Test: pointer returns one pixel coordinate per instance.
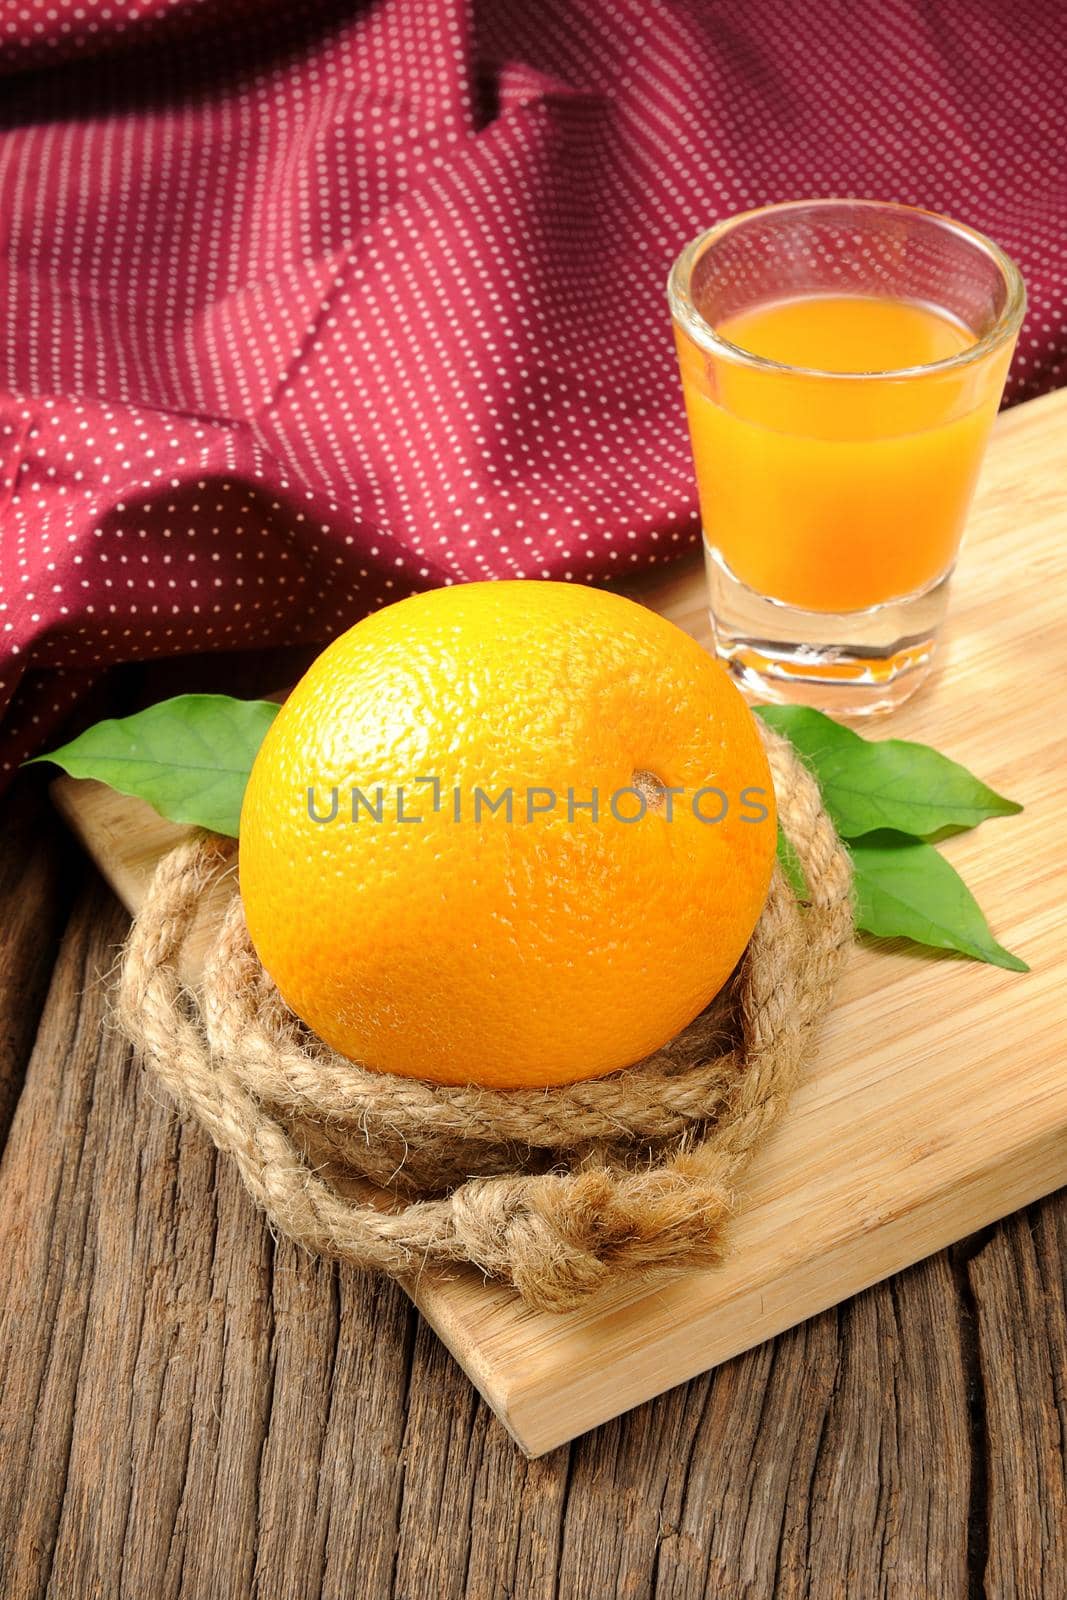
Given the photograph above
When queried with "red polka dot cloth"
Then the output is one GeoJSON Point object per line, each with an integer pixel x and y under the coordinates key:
{"type": "Point", "coordinates": [309, 305]}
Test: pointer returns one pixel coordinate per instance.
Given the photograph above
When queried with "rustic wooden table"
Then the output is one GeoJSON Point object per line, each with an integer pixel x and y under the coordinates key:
{"type": "Point", "coordinates": [191, 1408]}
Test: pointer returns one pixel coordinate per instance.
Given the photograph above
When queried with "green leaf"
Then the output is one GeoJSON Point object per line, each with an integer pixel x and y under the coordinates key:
{"type": "Point", "coordinates": [886, 783]}
{"type": "Point", "coordinates": [188, 757]}
{"type": "Point", "coordinates": [905, 889]}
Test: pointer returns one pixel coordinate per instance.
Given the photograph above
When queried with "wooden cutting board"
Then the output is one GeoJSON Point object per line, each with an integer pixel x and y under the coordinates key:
{"type": "Point", "coordinates": [939, 1098]}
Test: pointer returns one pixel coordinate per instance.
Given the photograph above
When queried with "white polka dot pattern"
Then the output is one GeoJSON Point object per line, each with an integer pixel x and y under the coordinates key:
{"type": "Point", "coordinates": [310, 305]}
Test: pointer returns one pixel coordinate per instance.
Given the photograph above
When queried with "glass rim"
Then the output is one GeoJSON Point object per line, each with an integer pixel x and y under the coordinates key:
{"type": "Point", "coordinates": [704, 334]}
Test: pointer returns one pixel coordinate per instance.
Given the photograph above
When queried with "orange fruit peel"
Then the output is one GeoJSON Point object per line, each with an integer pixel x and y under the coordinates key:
{"type": "Point", "coordinates": [422, 932]}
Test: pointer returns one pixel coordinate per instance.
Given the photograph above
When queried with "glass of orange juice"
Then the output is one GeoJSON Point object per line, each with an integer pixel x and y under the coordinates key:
{"type": "Point", "coordinates": [842, 362]}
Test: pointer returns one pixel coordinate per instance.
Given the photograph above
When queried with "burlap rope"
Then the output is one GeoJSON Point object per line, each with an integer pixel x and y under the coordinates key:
{"type": "Point", "coordinates": [555, 1191]}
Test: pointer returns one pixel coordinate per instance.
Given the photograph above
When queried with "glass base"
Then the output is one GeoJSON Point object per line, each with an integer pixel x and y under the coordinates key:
{"type": "Point", "coordinates": [851, 664]}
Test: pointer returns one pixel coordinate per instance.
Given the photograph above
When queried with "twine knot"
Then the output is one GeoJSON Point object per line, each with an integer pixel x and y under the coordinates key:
{"type": "Point", "coordinates": [557, 1192]}
{"type": "Point", "coordinates": [559, 1237]}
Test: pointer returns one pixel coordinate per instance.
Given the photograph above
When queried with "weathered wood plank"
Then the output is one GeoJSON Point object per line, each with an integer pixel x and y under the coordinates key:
{"type": "Point", "coordinates": [37, 871]}
{"type": "Point", "coordinates": [46, 1185]}
{"type": "Point", "coordinates": [191, 1411]}
{"type": "Point", "coordinates": [167, 1373]}
{"type": "Point", "coordinates": [890, 1492]}
{"type": "Point", "coordinates": [1020, 1288]}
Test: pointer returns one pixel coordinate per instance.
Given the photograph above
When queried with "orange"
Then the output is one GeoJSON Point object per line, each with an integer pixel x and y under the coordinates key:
{"type": "Point", "coordinates": [456, 943]}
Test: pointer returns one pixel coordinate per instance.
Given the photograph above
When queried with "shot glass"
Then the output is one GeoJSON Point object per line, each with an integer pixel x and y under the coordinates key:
{"type": "Point", "coordinates": [842, 362]}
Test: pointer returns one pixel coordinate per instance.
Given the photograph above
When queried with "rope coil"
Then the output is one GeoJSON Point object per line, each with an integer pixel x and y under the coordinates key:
{"type": "Point", "coordinates": [555, 1191]}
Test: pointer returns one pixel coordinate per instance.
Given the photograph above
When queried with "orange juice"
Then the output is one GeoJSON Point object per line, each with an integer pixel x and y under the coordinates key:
{"type": "Point", "coordinates": [826, 492]}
